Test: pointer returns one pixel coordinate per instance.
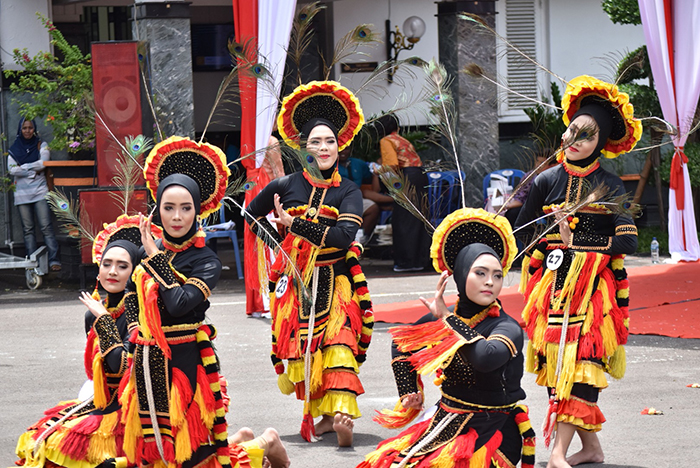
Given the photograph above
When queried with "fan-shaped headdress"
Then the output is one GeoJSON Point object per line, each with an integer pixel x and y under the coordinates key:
{"type": "Point", "coordinates": [626, 130]}
{"type": "Point", "coordinates": [126, 228]}
{"type": "Point", "coordinates": [468, 226]}
{"type": "Point", "coordinates": [320, 99]}
{"type": "Point", "coordinates": [204, 163]}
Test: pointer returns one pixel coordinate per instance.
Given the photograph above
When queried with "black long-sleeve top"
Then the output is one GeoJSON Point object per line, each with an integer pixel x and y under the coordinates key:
{"type": "Point", "coordinates": [295, 191]}
{"type": "Point", "coordinates": [188, 302]}
{"type": "Point", "coordinates": [596, 231]}
{"type": "Point", "coordinates": [113, 335]}
{"type": "Point", "coordinates": [487, 370]}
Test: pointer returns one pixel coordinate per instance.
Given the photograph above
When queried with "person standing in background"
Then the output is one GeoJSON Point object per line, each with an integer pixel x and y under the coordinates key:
{"type": "Point", "coordinates": [411, 240]}
{"type": "Point", "coordinates": [26, 164]}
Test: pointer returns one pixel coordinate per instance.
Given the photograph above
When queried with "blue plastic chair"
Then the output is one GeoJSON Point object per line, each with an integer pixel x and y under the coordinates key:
{"type": "Point", "coordinates": [443, 194]}
{"type": "Point", "coordinates": [514, 176]}
{"type": "Point", "coordinates": [225, 229]}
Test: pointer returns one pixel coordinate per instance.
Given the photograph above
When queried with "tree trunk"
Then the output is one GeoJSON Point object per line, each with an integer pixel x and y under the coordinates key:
{"type": "Point", "coordinates": [643, 177]}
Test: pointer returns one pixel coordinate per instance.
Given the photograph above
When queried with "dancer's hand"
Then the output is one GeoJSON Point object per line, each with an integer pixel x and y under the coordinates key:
{"type": "Point", "coordinates": [413, 401]}
{"type": "Point", "coordinates": [149, 244]}
{"type": "Point", "coordinates": [564, 229]}
{"type": "Point", "coordinates": [283, 218]}
{"type": "Point", "coordinates": [96, 307]}
{"type": "Point", "coordinates": [437, 306]}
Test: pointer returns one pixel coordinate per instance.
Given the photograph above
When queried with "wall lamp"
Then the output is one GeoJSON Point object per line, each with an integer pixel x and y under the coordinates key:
{"type": "Point", "coordinates": [413, 29]}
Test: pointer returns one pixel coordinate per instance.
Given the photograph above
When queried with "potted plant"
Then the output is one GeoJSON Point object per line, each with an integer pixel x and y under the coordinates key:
{"type": "Point", "coordinates": [60, 90]}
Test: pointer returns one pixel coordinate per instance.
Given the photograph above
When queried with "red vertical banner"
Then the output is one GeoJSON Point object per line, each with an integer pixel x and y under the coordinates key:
{"type": "Point", "coordinates": [245, 20]}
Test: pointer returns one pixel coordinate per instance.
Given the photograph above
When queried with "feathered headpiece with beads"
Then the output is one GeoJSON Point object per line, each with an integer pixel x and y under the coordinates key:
{"type": "Point", "coordinates": [320, 99]}
{"type": "Point", "coordinates": [468, 226]}
{"type": "Point", "coordinates": [626, 130]}
{"type": "Point", "coordinates": [125, 227]}
{"type": "Point", "coordinates": [204, 163]}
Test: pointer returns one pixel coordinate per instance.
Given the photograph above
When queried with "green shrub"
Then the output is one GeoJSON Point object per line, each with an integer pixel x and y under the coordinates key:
{"type": "Point", "coordinates": [646, 234]}
{"type": "Point", "coordinates": [60, 91]}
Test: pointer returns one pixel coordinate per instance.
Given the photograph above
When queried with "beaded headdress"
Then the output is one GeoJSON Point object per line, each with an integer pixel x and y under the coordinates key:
{"type": "Point", "coordinates": [468, 226]}
{"type": "Point", "coordinates": [320, 99]}
{"type": "Point", "coordinates": [204, 163]}
{"type": "Point", "coordinates": [126, 228]}
{"type": "Point", "coordinates": [626, 130]}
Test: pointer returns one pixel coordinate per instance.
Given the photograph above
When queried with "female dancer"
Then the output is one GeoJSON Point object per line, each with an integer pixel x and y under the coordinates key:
{"type": "Point", "coordinates": [80, 434]}
{"type": "Point", "coordinates": [174, 413]}
{"type": "Point", "coordinates": [322, 322]}
{"type": "Point", "coordinates": [578, 282]}
{"type": "Point", "coordinates": [476, 353]}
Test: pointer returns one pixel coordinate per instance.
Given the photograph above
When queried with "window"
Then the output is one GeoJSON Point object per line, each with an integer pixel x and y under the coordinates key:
{"type": "Point", "coordinates": [522, 22]}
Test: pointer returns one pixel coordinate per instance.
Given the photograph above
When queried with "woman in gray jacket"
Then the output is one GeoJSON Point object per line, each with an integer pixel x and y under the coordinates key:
{"type": "Point", "coordinates": [26, 163]}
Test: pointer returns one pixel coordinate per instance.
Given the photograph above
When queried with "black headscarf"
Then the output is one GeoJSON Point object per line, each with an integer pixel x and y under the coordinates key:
{"type": "Point", "coordinates": [193, 188]}
{"type": "Point", "coordinates": [306, 130]}
{"type": "Point", "coordinates": [25, 151]}
{"type": "Point", "coordinates": [463, 264]}
{"type": "Point", "coordinates": [604, 121]}
{"type": "Point", "coordinates": [315, 122]}
{"type": "Point", "coordinates": [131, 248]}
{"type": "Point", "coordinates": [133, 251]}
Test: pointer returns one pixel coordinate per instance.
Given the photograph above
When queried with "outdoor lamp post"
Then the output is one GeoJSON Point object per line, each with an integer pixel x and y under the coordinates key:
{"type": "Point", "coordinates": [413, 30]}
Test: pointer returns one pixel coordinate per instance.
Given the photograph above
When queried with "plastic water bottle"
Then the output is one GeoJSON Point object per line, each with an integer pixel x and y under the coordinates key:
{"type": "Point", "coordinates": [654, 251]}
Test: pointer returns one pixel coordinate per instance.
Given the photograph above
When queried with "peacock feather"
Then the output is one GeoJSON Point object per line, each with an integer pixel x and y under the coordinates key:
{"type": "Point", "coordinates": [129, 169]}
{"type": "Point", "coordinates": [405, 194]}
{"type": "Point", "coordinates": [589, 195]}
{"type": "Point", "coordinates": [441, 108]}
{"type": "Point", "coordinates": [227, 92]}
{"type": "Point", "coordinates": [242, 52]}
{"type": "Point", "coordinates": [303, 158]}
{"type": "Point", "coordinates": [238, 187]}
{"type": "Point", "coordinates": [475, 71]}
{"type": "Point", "coordinates": [348, 45]}
{"type": "Point", "coordinates": [145, 68]}
{"type": "Point", "coordinates": [302, 34]}
{"type": "Point", "coordinates": [72, 219]}
{"type": "Point", "coordinates": [477, 20]}
{"type": "Point", "coordinates": [378, 75]}
{"type": "Point", "coordinates": [583, 133]}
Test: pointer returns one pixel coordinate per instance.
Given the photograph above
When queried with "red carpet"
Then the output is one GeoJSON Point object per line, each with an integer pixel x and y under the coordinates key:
{"type": "Point", "coordinates": [664, 300]}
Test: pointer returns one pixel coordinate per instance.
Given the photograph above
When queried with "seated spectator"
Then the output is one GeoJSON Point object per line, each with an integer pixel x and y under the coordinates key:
{"type": "Point", "coordinates": [373, 201]}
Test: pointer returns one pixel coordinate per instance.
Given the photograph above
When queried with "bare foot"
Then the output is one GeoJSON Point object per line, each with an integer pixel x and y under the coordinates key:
{"type": "Point", "coordinates": [343, 425]}
{"type": "Point", "coordinates": [586, 456]}
{"type": "Point", "coordinates": [275, 452]}
{"type": "Point", "coordinates": [324, 425]}
{"type": "Point", "coordinates": [557, 462]}
{"type": "Point", "coordinates": [244, 434]}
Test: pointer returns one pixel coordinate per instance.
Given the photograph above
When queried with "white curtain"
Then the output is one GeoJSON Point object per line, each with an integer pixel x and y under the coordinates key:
{"type": "Point", "coordinates": [275, 19]}
{"type": "Point", "coordinates": [672, 31]}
